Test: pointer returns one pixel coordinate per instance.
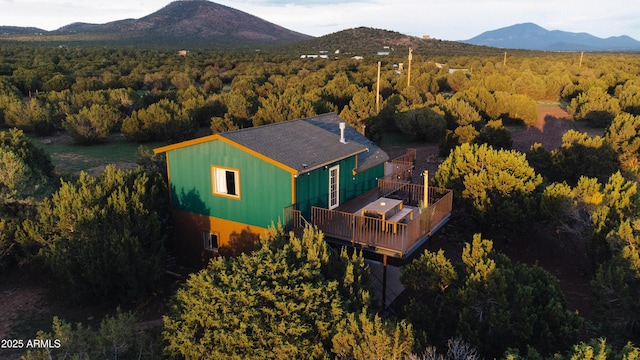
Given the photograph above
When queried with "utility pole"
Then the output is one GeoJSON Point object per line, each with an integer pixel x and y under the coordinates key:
{"type": "Point", "coordinates": [378, 91]}
{"type": "Point", "coordinates": [409, 70]}
{"type": "Point", "coordinates": [581, 55]}
{"type": "Point", "coordinates": [504, 62]}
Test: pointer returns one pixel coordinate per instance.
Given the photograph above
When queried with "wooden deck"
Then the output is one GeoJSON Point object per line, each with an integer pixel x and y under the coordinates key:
{"type": "Point", "coordinates": [384, 236]}
{"type": "Point", "coordinates": [358, 203]}
{"type": "Point", "coordinates": [401, 231]}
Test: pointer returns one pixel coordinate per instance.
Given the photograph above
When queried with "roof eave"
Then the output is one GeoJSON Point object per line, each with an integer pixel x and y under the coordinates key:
{"type": "Point", "coordinates": [205, 139]}
{"type": "Point", "coordinates": [326, 163]}
{"type": "Point", "coordinates": [363, 169]}
{"type": "Point", "coordinates": [186, 143]}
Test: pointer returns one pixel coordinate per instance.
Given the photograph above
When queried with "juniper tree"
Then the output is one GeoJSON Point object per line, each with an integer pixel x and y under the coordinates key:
{"type": "Point", "coordinates": [495, 135]}
{"type": "Point", "coordinates": [423, 124]}
{"type": "Point", "coordinates": [589, 211]}
{"type": "Point", "coordinates": [163, 120]}
{"type": "Point", "coordinates": [602, 220]}
{"type": "Point", "coordinates": [102, 237]}
{"type": "Point", "coordinates": [92, 124]}
{"type": "Point", "coordinates": [624, 137]}
{"type": "Point", "coordinates": [33, 116]}
{"type": "Point", "coordinates": [583, 155]}
{"type": "Point", "coordinates": [26, 174]}
{"type": "Point", "coordinates": [117, 337]}
{"type": "Point", "coordinates": [595, 106]}
{"type": "Point", "coordinates": [495, 185]}
{"type": "Point", "coordinates": [292, 298]}
{"type": "Point", "coordinates": [365, 337]}
{"type": "Point", "coordinates": [457, 111]}
{"type": "Point", "coordinates": [487, 301]}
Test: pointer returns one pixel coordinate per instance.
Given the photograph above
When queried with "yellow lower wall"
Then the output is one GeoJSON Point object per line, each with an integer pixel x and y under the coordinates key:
{"type": "Point", "coordinates": [233, 237]}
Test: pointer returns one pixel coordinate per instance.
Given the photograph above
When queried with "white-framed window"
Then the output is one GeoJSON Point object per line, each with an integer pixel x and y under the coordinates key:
{"type": "Point", "coordinates": [226, 182]}
{"type": "Point", "coordinates": [210, 241]}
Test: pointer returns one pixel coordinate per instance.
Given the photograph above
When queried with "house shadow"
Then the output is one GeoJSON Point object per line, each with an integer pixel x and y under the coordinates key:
{"type": "Point", "coordinates": [548, 133]}
{"type": "Point", "coordinates": [190, 225]}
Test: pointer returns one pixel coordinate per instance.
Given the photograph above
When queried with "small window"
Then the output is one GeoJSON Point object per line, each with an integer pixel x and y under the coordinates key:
{"type": "Point", "coordinates": [226, 182]}
{"type": "Point", "coordinates": [210, 241]}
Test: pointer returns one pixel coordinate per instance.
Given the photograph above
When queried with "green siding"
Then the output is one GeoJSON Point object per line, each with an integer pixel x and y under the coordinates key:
{"type": "Point", "coordinates": [368, 179]}
{"type": "Point", "coordinates": [312, 188]}
{"type": "Point", "coordinates": [265, 189]}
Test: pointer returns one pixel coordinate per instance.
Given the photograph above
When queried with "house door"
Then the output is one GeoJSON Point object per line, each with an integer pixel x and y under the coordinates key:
{"type": "Point", "coordinates": [334, 187]}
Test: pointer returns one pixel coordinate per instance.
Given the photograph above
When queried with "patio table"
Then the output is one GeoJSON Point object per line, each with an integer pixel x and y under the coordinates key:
{"type": "Point", "coordinates": [384, 207]}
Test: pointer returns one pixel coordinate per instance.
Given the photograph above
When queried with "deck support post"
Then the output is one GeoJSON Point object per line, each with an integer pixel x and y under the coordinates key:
{"type": "Point", "coordinates": [384, 281]}
{"type": "Point", "coordinates": [426, 189]}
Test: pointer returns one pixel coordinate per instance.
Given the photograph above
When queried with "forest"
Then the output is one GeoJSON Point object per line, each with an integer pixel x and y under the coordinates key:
{"type": "Point", "coordinates": [104, 240]}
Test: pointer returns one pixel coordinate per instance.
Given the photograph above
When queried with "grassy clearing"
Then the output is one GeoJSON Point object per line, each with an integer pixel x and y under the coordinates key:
{"type": "Point", "coordinates": [548, 104]}
{"type": "Point", "coordinates": [514, 128]}
{"type": "Point", "coordinates": [70, 158]}
{"type": "Point", "coordinates": [583, 127]}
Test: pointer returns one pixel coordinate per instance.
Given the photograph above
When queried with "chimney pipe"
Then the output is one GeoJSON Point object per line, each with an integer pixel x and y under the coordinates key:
{"type": "Point", "coordinates": [342, 139]}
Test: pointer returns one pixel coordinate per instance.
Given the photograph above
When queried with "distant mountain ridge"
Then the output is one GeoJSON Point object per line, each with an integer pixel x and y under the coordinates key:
{"type": "Point", "coordinates": [184, 22]}
{"type": "Point", "coordinates": [529, 36]}
{"type": "Point", "coordinates": [17, 30]}
{"type": "Point", "coordinates": [369, 41]}
{"type": "Point", "coordinates": [205, 24]}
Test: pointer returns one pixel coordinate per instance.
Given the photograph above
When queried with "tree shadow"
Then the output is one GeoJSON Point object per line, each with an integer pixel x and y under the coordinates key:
{"type": "Point", "coordinates": [240, 243]}
{"type": "Point", "coordinates": [189, 201]}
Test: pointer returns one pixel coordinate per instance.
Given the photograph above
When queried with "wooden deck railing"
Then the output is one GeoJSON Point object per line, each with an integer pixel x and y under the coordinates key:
{"type": "Point", "coordinates": [439, 209]}
{"type": "Point", "coordinates": [411, 194]}
{"type": "Point", "coordinates": [397, 238]}
{"type": "Point", "coordinates": [409, 156]}
{"type": "Point", "coordinates": [292, 219]}
{"type": "Point", "coordinates": [385, 236]}
{"type": "Point", "coordinates": [360, 230]}
{"type": "Point", "coordinates": [402, 166]}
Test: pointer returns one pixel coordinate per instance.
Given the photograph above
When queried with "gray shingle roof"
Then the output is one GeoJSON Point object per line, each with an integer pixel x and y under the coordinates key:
{"type": "Point", "coordinates": [309, 143]}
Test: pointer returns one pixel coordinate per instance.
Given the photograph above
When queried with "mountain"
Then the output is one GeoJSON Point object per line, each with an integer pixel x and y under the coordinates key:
{"type": "Point", "coordinates": [184, 23]}
{"type": "Point", "coordinates": [530, 36]}
{"type": "Point", "coordinates": [367, 41]}
{"type": "Point", "coordinates": [17, 30]}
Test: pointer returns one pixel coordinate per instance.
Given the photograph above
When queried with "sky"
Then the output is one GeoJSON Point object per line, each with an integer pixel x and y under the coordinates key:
{"type": "Point", "coordinates": [442, 19]}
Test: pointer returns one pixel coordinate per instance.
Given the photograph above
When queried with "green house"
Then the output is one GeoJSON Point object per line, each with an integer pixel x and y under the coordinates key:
{"type": "Point", "coordinates": [227, 188]}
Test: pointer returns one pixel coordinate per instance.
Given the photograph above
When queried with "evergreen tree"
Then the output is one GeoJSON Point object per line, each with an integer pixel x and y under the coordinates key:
{"type": "Point", "coordinates": [26, 174]}
{"type": "Point", "coordinates": [422, 125]}
{"type": "Point", "coordinates": [115, 338]}
{"type": "Point", "coordinates": [224, 124]}
{"type": "Point", "coordinates": [495, 135]}
{"type": "Point", "coordinates": [595, 106]}
{"type": "Point", "coordinates": [598, 349]}
{"type": "Point", "coordinates": [164, 120]}
{"type": "Point", "coordinates": [583, 155]}
{"type": "Point", "coordinates": [361, 337]}
{"type": "Point", "coordinates": [284, 301]}
{"type": "Point", "coordinates": [488, 302]}
{"type": "Point", "coordinates": [629, 96]}
{"type": "Point", "coordinates": [102, 237]}
{"type": "Point", "coordinates": [624, 136]}
{"type": "Point", "coordinates": [33, 116]}
{"type": "Point", "coordinates": [496, 185]}
{"type": "Point", "coordinates": [288, 106]}
{"type": "Point", "coordinates": [92, 124]}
